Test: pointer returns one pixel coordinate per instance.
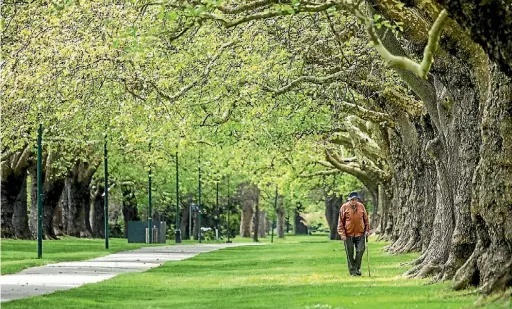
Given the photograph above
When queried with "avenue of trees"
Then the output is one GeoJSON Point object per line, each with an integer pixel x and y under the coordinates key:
{"type": "Point", "coordinates": [411, 98]}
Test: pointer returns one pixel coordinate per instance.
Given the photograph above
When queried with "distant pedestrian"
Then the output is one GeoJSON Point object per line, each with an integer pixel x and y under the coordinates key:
{"type": "Point", "coordinates": [354, 227]}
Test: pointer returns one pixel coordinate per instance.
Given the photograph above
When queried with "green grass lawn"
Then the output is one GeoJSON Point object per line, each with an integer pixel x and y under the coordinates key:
{"type": "Point", "coordinates": [300, 272]}
{"type": "Point", "coordinates": [20, 254]}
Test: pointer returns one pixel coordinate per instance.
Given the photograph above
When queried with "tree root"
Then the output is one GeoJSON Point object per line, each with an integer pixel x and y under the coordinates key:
{"type": "Point", "coordinates": [429, 270]}
{"type": "Point", "coordinates": [420, 260]}
{"type": "Point", "coordinates": [465, 275]}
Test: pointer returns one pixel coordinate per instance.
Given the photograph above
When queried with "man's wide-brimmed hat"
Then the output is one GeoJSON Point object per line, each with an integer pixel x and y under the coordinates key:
{"type": "Point", "coordinates": [353, 195]}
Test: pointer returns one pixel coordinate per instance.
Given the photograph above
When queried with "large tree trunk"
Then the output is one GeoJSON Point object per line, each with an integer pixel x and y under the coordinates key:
{"type": "Point", "coordinates": [332, 211]}
{"type": "Point", "coordinates": [20, 216]}
{"type": "Point", "coordinates": [64, 208]}
{"type": "Point", "coordinates": [79, 199]}
{"type": "Point", "coordinates": [281, 212]}
{"type": "Point", "coordinates": [97, 213]}
{"type": "Point", "coordinates": [14, 196]}
{"type": "Point", "coordinates": [58, 224]}
{"type": "Point", "coordinates": [130, 211]}
{"type": "Point", "coordinates": [52, 190]}
{"type": "Point", "coordinates": [262, 227]}
{"type": "Point", "coordinates": [490, 263]}
{"type": "Point", "coordinates": [385, 224]}
{"type": "Point", "coordinates": [248, 197]}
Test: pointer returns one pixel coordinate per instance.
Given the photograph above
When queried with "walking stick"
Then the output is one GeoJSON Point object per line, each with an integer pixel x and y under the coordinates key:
{"type": "Point", "coordinates": [368, 255]}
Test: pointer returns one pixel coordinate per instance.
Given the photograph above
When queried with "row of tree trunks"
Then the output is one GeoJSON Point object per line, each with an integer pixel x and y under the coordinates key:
{"type": "Point", "coordinates": [467, 133]}
{"type": "Point", "coordinates": [70, 205]}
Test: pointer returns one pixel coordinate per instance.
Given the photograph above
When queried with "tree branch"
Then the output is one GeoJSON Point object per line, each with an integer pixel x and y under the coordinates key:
{"type": "Point", "coordinates": [306, 78]}
{"type": "Point", "coordinates": [185, 89]}
{"type": "Point", "coordinates": [420, 69]}
{"type": "Point", "coordinates": [321, 173]}
{"type": "Point", "coordinates": [311, 8]}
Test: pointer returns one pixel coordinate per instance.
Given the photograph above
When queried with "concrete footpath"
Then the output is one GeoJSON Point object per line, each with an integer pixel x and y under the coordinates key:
{"type": "Point", "coordinates": [67, 275]}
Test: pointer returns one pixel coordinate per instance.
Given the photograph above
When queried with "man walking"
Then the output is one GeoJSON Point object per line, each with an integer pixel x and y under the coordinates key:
{"type": "Point", "coordinates": [354, 227]}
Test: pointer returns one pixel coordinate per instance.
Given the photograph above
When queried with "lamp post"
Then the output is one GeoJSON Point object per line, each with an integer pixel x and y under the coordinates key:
{"type": "Point", "coordinates": [229, 211]}
{"type": "Point", "coordinates": [190, 222]}
{"type": "Point", "coordinates": [150, 219]}
{"type": "Point", "coordinates": [217, 213]}
{"type": "Point", "coordinates": [105, 161]}
{"type": "Point", "coordinates": [177, 233]}
{"type": "Point", "coordinates": [199, 193]}
{"type": "Point", "coordinates": [39, 192]}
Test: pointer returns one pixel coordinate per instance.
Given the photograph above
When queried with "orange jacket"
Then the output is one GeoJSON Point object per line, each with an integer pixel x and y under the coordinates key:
{"type": "Point", "coordinates": [353, 223]}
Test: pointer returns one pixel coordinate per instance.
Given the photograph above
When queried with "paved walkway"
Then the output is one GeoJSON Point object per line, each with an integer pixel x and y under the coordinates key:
{"type": "Point", "coordinates": [63, 276]}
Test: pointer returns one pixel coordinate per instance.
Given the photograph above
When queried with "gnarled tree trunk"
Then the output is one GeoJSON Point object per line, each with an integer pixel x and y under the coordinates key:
{"type": "Point", "coordinates": [79, 199]}
{"type": "Point", "coordinates": [490, 263]}
{"type": "Point", "coordinates": [14, 195]}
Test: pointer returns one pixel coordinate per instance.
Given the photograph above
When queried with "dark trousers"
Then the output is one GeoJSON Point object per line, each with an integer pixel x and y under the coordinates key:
{"type": "Point", "coordinates": [357, 242]}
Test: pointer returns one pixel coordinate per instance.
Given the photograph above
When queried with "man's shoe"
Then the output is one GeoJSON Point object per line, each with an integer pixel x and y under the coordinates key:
{"type": "Point", "coordinates": [358, 272]}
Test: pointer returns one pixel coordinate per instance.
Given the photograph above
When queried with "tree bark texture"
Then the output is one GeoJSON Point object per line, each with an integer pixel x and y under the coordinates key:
{"type": "Point", "coordinates": [79, 199]}
{"type": "Point", "coordinates": [262, 227]}
{"type": "Point", "coordinates": [490, 263]}
{"type": "Point", "coordinates": [248, 198]}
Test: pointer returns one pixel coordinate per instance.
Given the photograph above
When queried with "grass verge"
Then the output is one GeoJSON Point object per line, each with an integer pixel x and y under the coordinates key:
{"type": "Point", "coordinates": [17, 255]}
{"type": "Point", "coordinates": [300, 272]}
